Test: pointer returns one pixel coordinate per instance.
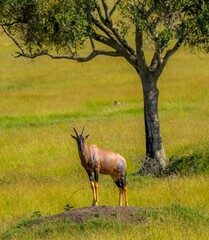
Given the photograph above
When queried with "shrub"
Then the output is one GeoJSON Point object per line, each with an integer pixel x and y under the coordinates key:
{"type": "Point", "coordinates": [197, 161]}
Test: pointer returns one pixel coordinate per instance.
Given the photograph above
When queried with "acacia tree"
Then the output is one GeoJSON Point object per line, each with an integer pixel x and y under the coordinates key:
{"type": "Point", "coordinates": [80, 30]}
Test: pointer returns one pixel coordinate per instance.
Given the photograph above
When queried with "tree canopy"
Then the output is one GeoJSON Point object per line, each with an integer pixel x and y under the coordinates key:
{"type": "Point", "coordinates": [52, 26]}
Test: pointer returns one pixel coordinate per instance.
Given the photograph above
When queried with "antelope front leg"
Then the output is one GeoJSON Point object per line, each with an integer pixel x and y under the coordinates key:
{"type": "Point", "coordinates": [96, 185]}
{"type": "Point", "coordinates": [93, 189]}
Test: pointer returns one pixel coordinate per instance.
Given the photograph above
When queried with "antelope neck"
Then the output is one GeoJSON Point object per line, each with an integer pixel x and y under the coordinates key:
{"type": "Point", "coordinates": [84, 154]}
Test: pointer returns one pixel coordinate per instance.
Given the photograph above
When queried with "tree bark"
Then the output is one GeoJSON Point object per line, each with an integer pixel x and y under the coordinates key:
{"type": "Point", "coordinates": [155, 162]}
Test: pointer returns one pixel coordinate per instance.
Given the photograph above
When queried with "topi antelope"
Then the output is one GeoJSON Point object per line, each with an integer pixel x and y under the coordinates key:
{"type": "Point", "coordinates": [96, 160]}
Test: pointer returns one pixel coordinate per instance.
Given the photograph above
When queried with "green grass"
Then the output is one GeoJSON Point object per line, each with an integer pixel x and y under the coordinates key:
{"type": "Point", "coordinates": [153, 223]}
{"type": "Point", "coordinates": [42, 100]}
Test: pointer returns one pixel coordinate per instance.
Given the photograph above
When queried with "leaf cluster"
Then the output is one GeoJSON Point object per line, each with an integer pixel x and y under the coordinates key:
{"type": "Point", "coordinates": [165, 21]}
{"type": "Point", "coordinates": [47, 23]}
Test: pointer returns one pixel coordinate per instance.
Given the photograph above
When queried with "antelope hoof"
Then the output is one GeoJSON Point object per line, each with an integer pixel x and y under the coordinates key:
{"type": "Point", "coordinates": [94, 205]}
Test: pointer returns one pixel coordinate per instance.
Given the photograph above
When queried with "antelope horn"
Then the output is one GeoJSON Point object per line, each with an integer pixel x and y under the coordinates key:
{"type": "Point", "coordinates": [83, 130]}
{"type": "Point", "coordinates": [75, 132]}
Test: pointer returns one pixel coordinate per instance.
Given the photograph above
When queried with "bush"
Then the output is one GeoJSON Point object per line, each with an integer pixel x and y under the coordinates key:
{"type": "Point", "coordinates": [197, 161]}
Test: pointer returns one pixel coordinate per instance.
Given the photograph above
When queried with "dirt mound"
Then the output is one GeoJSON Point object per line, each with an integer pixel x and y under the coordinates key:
{"type": "Point", "coordinates": [80, 215]}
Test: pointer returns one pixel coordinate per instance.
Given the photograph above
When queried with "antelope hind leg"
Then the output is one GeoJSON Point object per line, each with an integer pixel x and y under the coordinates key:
{"type": "Point", "coordinates": [116, 179]}
{"type": "Point", "coordinates": [125, 188]}
{"type": "Point", "coordinates": [120, 203]}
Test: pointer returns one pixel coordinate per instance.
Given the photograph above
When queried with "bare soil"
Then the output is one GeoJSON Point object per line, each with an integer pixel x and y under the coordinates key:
{"type": "Point", "coordinates": [80, 215]}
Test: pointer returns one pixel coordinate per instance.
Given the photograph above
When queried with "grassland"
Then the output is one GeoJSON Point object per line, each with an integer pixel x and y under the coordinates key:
{"type": "Point", "coordinates": [42, 100]}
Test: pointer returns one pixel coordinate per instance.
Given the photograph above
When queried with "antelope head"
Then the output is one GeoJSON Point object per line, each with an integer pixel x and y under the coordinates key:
{"type": "Point", "coordinates": [80, 139]}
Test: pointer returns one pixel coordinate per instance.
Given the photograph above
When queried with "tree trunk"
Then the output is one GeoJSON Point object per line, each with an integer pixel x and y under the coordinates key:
{"type": "Point", "coordinates": [155, 161]}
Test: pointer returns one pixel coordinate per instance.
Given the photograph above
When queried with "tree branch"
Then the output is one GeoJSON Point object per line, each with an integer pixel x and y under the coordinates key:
{"type": "Point", "coordinates": [12, 38]}
{"type": "Point", "coordinates": [105, 6]}
{"type": "Point", "coordinates": [109, 24]}
{"type": "Point", "coordinates": [150, 11]}
{"type": "Point", "coordinates": [169, 53]}
{"type": "Point", "coordinates": [9, 24]}
{"type": "Point", "coordinates": [114, 8]}
{"type": "Point", "coordinates": [113, 39]}
{"type": "Point", "coordinates": [121, 39]}
{"type": "Point", "coordinates": [178, 44]}
{"type": "Point", "coordinates": [92, 43]}
{"type": "Point", "coordinates": [141, 62]}
{"type": "Point", "coordinates": [99, 11]}
{"type": "Point", "coordinates": [113, 44]}
{"type": "Point", "coordinates": [156, 60]}
{"type": "Point", "coordinates": [103, 28]}
{"type": "Point", "coordinates": [107, 42]}
{"type": "Point", "coordinates": [92, 55]}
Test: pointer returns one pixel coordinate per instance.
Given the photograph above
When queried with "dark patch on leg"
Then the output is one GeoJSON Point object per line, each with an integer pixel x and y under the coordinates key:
{"type": "Point", "coordinates": [119, 183]}
{"type": "Point", "coordinates": [123, 181]}
{"type": "Point", "coordinates": [96, 175]}
{"type": "Point", "coordinates": [90, 177]}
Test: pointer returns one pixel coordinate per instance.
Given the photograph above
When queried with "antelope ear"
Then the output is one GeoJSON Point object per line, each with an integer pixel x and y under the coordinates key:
{"type": "Point", "coordinates": [87, 136]}
{"type": "Point", "coordinates": [73, 136]}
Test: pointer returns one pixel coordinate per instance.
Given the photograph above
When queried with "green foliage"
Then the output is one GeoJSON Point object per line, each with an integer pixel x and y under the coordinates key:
{"type": "Point", "coordinates": [198, 23]}
{"type": "Point", "coordinates": [164, 21]}
{"type": "Point", "coordinates": [196, 161]}
{"type": "Point", "coordinates": [47, 24]}
{"type": "Point", "coordinates": [164, 37]}
{"type": "Point", "coordinates": [65, 25]}
{"type": "Point", "coordinates": [68, 207]}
